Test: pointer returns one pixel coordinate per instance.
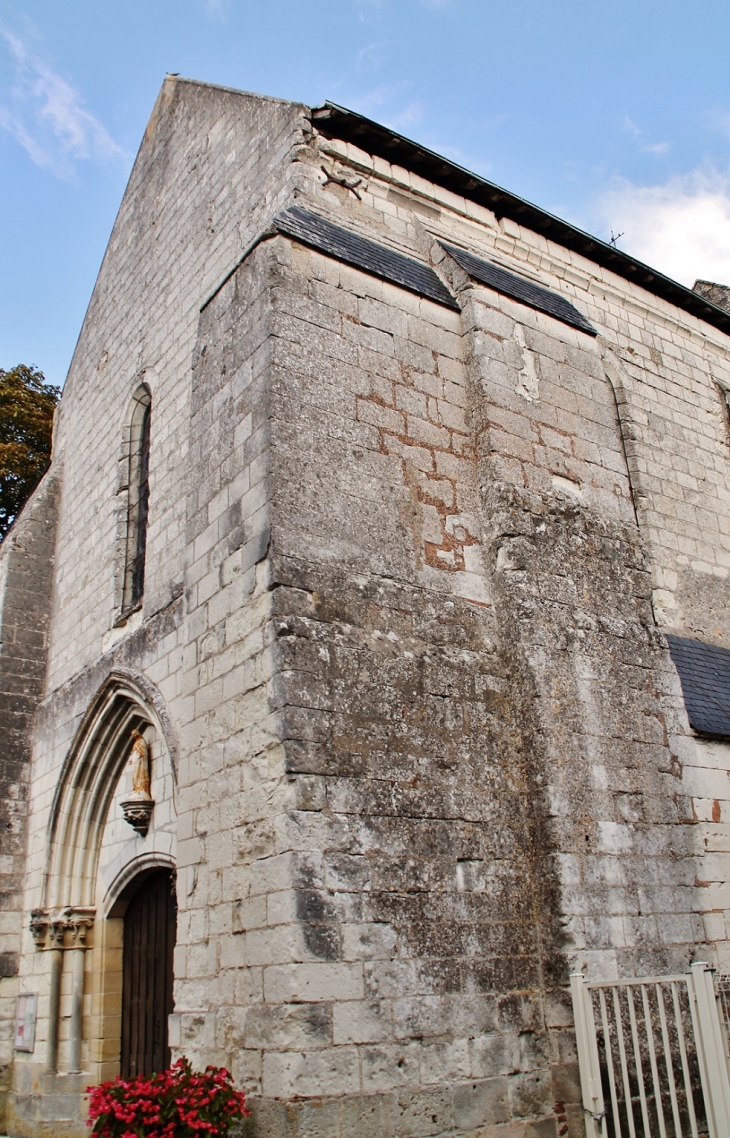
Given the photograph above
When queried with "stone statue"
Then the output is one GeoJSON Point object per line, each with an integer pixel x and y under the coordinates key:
{"type": "Point", "coordinates": [139, 764]}
{"type": "Point", "coordinates": [138, 806]}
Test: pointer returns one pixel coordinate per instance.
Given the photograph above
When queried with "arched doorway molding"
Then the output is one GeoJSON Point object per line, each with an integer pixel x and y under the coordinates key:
{"type": "Point", "coordinates": [65, 926]}
{"type": "Point", "coordinates": [131, 877]}
{"type": "Point", "coordinates": [127, 700]}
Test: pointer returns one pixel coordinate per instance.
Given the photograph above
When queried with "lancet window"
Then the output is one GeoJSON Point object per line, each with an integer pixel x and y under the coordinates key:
{"type": "Point", "coordinates": [138, 499]}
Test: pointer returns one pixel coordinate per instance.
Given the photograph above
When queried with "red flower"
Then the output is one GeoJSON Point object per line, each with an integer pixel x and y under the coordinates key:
{"type": "Point", "coordinates": [177, 1103]}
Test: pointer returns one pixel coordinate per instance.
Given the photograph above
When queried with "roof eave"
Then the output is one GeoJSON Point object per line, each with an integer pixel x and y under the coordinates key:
{"type": "Point", "coordinates": [334, 121]}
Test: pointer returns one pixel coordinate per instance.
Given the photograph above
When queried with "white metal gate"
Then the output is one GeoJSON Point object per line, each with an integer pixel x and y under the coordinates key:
{"type": "Point", "coordinates": [652, 1057]}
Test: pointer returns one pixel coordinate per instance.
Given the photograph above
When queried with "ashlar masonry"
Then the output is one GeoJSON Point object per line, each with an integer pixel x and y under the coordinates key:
{"type": "Point", "coordinates": [384, 509]}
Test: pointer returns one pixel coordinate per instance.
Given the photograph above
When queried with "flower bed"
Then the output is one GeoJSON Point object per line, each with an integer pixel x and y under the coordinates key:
{"type": "Point", "coordinates": [177, 1103]}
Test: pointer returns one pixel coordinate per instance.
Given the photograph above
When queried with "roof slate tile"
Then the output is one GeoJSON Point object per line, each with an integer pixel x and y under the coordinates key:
{"type": "Point", "coordinates": [519, 288]}
{"type": "Point", "coordinates": [704, 670]}
{"type": "Point", "coordinates": [371, 257]}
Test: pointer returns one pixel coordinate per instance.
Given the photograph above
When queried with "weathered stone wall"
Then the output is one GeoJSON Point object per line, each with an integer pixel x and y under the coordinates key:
{"type": "Point", "coordinates": [473, 709]}
{"type": "Point", "coordinates": [26, 586]}
{"type": "Point", "coordinates": [201, 189]}
{"type": "Point", "coordinates": [404, 572]}
{"type": "Point", "coordinates": [669, 376]}
{"type": "Point", "coordinates": [420, 876]}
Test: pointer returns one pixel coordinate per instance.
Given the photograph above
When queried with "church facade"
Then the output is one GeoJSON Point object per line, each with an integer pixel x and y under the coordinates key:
{"type": "Point", "coordinates": [365, 650]}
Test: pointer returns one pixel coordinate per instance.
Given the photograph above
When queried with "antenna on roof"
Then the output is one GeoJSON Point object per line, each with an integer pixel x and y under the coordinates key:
{"type": "Point", "coordinates": [614, 238]}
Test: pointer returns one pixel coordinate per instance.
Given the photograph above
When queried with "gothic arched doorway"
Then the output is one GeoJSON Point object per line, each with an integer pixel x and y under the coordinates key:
{"type": "Point", "coordinates": [147, 975]}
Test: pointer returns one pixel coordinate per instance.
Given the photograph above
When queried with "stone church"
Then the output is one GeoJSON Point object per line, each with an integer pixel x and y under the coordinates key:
{"type": "Point", "coordinates": [365, 650]}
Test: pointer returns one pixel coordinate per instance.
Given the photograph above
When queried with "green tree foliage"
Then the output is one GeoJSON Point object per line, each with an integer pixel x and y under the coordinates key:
{"type": "Point", "coordinates": [27, 404]}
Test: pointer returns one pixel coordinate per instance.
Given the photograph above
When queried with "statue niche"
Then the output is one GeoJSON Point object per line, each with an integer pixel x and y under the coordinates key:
{"type": "Point", "coordinates": [138, 806]}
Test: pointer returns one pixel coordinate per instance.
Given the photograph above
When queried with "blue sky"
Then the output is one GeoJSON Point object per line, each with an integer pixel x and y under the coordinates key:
{"type": "Point", "coordinates": [615, 115]}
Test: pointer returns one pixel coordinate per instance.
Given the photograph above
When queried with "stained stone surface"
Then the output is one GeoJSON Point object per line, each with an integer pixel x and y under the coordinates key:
{"type": "Point", "coordinates": [421, 749]}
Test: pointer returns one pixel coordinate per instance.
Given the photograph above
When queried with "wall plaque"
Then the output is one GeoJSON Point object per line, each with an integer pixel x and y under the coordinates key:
{"type": "Point", "coordinates": [25, 1022]}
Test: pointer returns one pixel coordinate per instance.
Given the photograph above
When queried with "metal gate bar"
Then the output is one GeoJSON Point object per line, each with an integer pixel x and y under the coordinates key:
{"type": "Point", "coordinates": [683, 1055]}
{"type": "Point", "coordinates": [653, 1062]}
{"type": "Point", "coordinates": [609, 1063]}
{"type": "Point", "coordinates": [660, 1060]}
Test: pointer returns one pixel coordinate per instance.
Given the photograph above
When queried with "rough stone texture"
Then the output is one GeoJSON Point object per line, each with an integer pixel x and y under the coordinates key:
{"type": "Point", "coordinates": [718, 294]}
{"type": "Point", "coordinates": [201, 189]}
{"type": "Point", "coordinates": [421, 748]}
{"type": "Point", "coordinates": [26, 583]}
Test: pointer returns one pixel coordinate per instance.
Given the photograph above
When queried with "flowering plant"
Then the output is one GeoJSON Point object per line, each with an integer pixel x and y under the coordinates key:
{"type": "Point", "coordinates": [177, 1103]}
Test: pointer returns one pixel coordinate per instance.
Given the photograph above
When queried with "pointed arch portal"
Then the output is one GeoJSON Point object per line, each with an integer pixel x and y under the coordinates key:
{"type": "Point", "coordinates": [135, 940]}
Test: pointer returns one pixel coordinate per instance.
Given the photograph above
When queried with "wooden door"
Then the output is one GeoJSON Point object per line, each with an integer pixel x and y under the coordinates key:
{"type": "Point", "coordinates": [149, 940]}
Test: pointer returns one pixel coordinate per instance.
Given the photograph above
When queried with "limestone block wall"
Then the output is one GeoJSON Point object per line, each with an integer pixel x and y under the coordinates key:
{"type": "Point", "coordinates": [201, 190]}
{"type": "Point", "coordinates": [399, 932]}
{"type": "Point", "coordinates": [473, 726]}
{"type": "Point", "coordinates": [668, 373]}
{"type": "Point", "coordinates": [304, 960]}
{"type": "Point", "coordinates": [604, 773]}
{"type": "Point", "coordinates": [26, 576]}
{"type": "Point", "coordinates": [407, 573]}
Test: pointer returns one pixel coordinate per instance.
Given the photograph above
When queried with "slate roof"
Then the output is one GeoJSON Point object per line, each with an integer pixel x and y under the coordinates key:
{"type": "Point", "coordinates": [334, 121]}
{"type": "Point", "coordinates": [704, 671]}
{"type": "Point", "coordinates": [378, 260]}
{"type": "Point", "coordinates": [519, 288]}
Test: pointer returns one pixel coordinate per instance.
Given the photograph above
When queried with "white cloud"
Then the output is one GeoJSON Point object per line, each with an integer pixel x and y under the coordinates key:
{"type": "Point", "coordinates": [370, 57]}
{"type": "Point", "coordinates": [217, 10]}
{"type": "Point", "coordinates": [681, 228]}
{"type": "Point", "coordinates": [45, 114]}
{"type": "Point", "coordinates": [636, 132]}
{"type": "Point", "coordinates": [379, 101]}
{"type": "Point", "coordinates": [409, 116]}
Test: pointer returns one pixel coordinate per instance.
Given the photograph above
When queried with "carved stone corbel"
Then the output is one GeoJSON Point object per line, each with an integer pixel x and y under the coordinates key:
{"type": "Point", "coordinates": [39, 924]}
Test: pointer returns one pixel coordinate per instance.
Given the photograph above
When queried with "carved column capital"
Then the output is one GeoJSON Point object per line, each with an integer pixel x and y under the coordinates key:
{"type": "Point", "coordinates": [79, 925]}
{"type": "Point", "coordinates": [62, 928]}
{"type": "Point", "coordinates": [54, 935]}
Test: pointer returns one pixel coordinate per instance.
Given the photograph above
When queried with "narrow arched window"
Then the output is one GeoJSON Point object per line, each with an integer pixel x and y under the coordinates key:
{"type": "Point", "coordinates": [138, 500]}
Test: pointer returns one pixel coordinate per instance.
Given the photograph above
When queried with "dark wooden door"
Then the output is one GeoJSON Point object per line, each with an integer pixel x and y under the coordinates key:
{"type": "Point", "coordinates": [149, 940]}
